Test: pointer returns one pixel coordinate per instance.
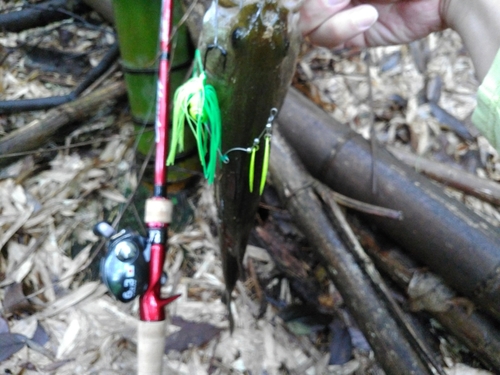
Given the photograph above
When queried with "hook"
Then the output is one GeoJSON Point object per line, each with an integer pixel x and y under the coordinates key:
{"type": "Point", "coordinates": [211, 47]}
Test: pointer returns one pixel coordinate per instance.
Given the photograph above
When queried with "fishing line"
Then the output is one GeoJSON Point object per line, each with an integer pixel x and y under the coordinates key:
{"type": "Point", "coordinates": [266, 134]}
{"type": "Point", "coordinates": [196, 105]}
{"type": "Point", "coordinates": [215, 44]}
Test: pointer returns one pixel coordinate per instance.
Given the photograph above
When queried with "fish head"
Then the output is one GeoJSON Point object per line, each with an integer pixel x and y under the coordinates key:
{"type": "Point", "coordinates": [241, 31]}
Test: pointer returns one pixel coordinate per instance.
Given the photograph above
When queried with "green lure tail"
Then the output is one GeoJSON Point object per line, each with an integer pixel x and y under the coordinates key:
{"type": "Point", "coordinates": [196, 104]}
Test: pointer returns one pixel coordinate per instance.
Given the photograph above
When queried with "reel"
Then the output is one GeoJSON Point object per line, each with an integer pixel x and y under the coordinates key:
{"type": "Point", "coordinates": [125, 268]}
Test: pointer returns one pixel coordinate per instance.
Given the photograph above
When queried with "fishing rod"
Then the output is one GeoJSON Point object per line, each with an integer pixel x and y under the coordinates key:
{"type": "Point", "coordinates": [133, 265]}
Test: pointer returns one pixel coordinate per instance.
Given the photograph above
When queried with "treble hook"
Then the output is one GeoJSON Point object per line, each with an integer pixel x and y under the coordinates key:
{"type": "Point", "coordinates": [211, 47]}
{"type": "Point", "coordinates": [215, 44]}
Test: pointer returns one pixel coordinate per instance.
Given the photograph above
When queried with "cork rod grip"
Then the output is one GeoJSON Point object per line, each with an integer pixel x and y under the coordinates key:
{"type": "Point", "coordinates": [158, 210]}
{"type": "Point", "coordinates": [150, 347]}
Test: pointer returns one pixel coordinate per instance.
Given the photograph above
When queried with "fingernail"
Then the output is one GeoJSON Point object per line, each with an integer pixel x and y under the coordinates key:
{"type": "Point", "coordinates": [334, 3]}
{"type": "Point", "coordinates": [365, 17]}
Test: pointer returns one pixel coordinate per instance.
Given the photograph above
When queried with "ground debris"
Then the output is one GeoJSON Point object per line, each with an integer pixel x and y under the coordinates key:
{"type": "Point", "coordinates": [48, 290]}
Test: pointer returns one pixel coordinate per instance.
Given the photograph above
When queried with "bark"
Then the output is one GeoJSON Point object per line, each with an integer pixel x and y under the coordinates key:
{"type": "Point", "coordinates": [35, 134]}
{"type": "Point", "coordinates": [294, 186]}
{"type": "Point", "coordinates": [437, 230]}
{"type": "Point", "coordinates": [282, 251]}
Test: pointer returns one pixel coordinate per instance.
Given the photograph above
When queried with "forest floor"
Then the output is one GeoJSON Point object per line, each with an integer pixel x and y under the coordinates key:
{"type": "Point", "coordinates": [50, 200]}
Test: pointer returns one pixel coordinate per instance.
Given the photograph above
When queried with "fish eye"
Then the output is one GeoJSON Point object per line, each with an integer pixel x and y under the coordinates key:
{"type": "Point", "coordinates": [237, 36]}
{"type": "Point", "coordinates": [287, 44]}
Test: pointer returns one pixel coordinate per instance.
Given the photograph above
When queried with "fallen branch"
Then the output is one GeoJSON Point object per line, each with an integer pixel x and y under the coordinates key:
{"type": "Point", "coordinates": [469, 183]}
{"type": "Point", "coordinates": [428, 292]}
{"type": "Point", "coordinates": [36, 15]}
{"type": "Point", "coordinates": [282, 249]}
{"type": "Point", "coordinates": [35, 134]}
{"type": "Point", "coordinates": [20, 105]}
{"type": "Point", "coordinates": [294, 186]}
{"type": "Point", "coordinates": [365, 207]}
{"type": "Point", "coordinates": [439, 231]}
{"type": "Point", "coordinates": [103, 7]}
{"type": "Point", "coordinates": [340, 223]}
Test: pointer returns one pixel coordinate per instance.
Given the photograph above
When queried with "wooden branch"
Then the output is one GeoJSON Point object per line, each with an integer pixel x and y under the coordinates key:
{"type": "Point", "coordinates": [439, 231]}
{"type": "Point", "coordinates": [340, 223]}
{"type": "Point", "coordinates": [365, 207]}
{"type": "Point", "coordinates": [37, 15]}
{"type": "Point", "coordinates": [294, 186]}
{"type": "Point", "coordinates": [428, 292]}
{"type": "Point", "coordinates": [469, 183]}
{"type": "Point", "coordinates": [282, 250]}
{"type": "Point", "coordinates": [103, 7]}
{"type": "Point", "coordinates": [35, 134]}
{"type": "Point", "coordinates": [21, 105]}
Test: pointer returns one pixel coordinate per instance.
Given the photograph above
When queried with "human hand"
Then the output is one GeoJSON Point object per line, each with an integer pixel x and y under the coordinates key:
{"type": "Point", "coordinates": [369, 23]}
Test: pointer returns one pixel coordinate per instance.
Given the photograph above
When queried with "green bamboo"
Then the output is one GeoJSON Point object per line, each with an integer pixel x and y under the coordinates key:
{"type": "Point", "coordinates": [137, 25]}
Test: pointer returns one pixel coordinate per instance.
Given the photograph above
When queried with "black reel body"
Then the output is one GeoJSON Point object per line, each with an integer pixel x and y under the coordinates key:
{"type": "Point", "coordinates": [125, 268]}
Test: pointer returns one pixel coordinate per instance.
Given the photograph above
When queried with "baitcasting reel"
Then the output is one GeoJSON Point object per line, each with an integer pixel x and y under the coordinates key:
{"type": "Point", "coordinates": [125, 268]}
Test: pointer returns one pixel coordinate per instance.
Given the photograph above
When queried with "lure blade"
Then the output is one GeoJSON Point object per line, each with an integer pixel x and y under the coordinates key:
{"type": "Point", "coordinates": [265, 163]}
{"type": "Point", "coordinates": [252, 169]}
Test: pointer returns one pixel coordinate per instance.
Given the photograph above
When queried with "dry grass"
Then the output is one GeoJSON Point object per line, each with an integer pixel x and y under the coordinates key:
{"type": "Point", "coordinates": [49, 202]}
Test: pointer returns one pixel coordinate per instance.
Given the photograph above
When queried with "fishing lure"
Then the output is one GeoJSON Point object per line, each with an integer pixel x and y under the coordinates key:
{"type": "Point", "coordinates": [250, 51]}
{"type": "Point", "coordinates": [267, 135]}
{"type": "Point", "coordinates": [196, 104]}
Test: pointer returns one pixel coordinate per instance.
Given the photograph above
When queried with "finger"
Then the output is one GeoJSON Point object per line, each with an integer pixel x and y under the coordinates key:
{"type": "Point", "coordinates": [314, 12]}
{"type": "Point", "coordinates": [347, 25]}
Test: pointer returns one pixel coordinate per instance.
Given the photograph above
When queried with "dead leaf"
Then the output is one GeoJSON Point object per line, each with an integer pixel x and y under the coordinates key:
{"type": "Point", "coordinates": [69, 338]}
{"type": "Point", "coordinates": [4, 326]}
{"type": "Point", "coordinates": [10, 343]}
{"type": "Point", "coordinates": [23, 217]}
{"type": "Point", "coordinates": [15, 301]}
{"type": "Point", "coordinates": [40, 336]}
{"type": "Point", "coordinates": [191, 334]}
{"type": "Point", "coordinates": [85, 291]}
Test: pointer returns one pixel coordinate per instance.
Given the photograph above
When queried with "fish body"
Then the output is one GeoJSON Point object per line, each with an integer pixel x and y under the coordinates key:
{"type": "Point", "coordinates": [251, 67]}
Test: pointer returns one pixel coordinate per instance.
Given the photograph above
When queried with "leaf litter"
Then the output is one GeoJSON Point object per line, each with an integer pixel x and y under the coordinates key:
{"type": "Point", "coordinates": [56, 317]}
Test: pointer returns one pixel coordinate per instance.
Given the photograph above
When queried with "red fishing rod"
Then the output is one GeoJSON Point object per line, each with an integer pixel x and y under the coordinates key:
{"type": "Point", "coordinates": [158, 215]}
{"type": "Point", "coordinates": [133, 265]}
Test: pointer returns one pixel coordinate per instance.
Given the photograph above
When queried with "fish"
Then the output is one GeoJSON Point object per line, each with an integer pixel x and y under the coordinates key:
{"type": "Point", "coordinates": [249, 49]}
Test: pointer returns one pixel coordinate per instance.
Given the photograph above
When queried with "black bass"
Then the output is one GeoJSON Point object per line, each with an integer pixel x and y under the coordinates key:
{"type": "Point", "coordinates": [249, 50]}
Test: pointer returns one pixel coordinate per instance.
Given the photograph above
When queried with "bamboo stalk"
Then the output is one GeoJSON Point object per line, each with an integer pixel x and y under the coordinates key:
{"type": "Point", "coordinates": [439, 231]}
{"type": "Point", "coordinates": [294, 186]}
